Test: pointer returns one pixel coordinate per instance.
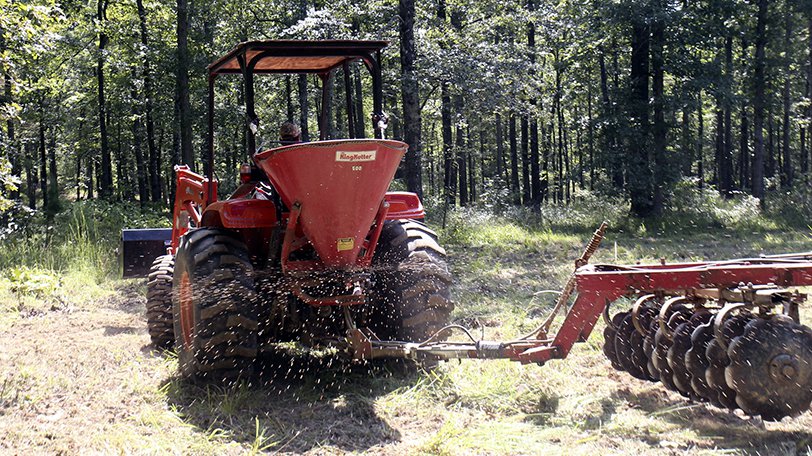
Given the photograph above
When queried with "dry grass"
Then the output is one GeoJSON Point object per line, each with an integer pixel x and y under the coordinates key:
{"type": "Point", "coordinates": [80, 377]}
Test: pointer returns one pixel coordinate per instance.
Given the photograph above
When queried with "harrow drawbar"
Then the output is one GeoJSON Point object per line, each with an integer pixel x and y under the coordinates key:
{"type": "Point", "coordinates": [724, 332]}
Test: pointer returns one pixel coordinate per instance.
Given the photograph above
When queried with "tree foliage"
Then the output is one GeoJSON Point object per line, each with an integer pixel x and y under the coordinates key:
{"type": "Point", "coordinates": [538, 100]}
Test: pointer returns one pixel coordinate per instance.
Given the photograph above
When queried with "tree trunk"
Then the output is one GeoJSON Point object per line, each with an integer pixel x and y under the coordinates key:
{"type": "Point", "coordinates": [289, 99]}
{"type": "Point", "coordinates": [526, 194]}
{"type": "Point", "coordinates": [535, 177]}
{"type": "Point", "coordinates": [500, 147]}
{"type": "Point", "coordinates": [718, 145]}
{"type": "Point", "coordinates": [410, 92]}
{"type": "Point", "coordinates": [140, 169]}
{"type": "Point", "coordinates": [659, 127]}
{"type": "Point", "coordinates": [472, 168]}
{"type": "Point", "coordinates": [726, 158]}
{"type": "Point", "coordinates": [303, 107]}
{"type": "Point", "coordinates": [608, 131]}
{"type": "Point", "coordinates": [154, 167]}
{"type": "Point", "coordinates": [808, 112]}
{"type": "Point", "coordinates": [560, 121]}
{"type": "Point", "coordinates": [328, 108]}
{"type": "Point", "coordinates": [175, 157]}
{"type": "Point", "coordinates": [184, 107]}
{"type": "Point", "coordinates": [449, 176]}
{"type": "Point", "coordinates": [640, 179]}
{"type": "Point", "coordinates": [579, 151]}
{"type": "Point", "coordinates": [12, 147]}
{"type": "Point", "coordinates": [106, 184]}
{"type": "Point", "coordinates": [744, 134]}
{"type": "Point", "coordinates": [787, 170]}
{"type": "Point", "coordinates": [686, 146]}
{"type": "Point", "coordinates": [700, 143]}
{"type": "Point", "coordinates": [769, 170]}
{"type": "Point", "coordinates": [759, 84]}
{"type": "Point", "coordinates": [535, 172]}
{"type": "Point", "coordinates": [461, 150]}
{"type": "Point", "coordinates": [79, 152]}
{"type": "Point", "coordinates": [43, 163]}
{"type": "Point", "coordinates": [30, 175]}
{"type": "Point", "coordinates": [590, 138]}
{"type": "Point", "coordinates": [545, 164]}
{"type": "Point", "coordinates": [360, 121]}
{"type": "Point", "coordinates": [124, 190]}
{"type": "Point", "coordinates": [514, 161]}
{"type": "Point", "coordinates": [53, 184]}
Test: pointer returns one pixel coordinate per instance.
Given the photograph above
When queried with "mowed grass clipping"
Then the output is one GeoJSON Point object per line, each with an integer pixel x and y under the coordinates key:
{"type": "Point", "coordinates": [78, 374]}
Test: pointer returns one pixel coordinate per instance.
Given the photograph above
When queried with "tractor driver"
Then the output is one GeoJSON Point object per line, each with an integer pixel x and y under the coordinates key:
{"type": "Point", "coordinates": [290, 133]}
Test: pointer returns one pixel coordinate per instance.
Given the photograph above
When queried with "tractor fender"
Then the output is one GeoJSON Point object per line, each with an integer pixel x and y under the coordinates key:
{"type": "Point", "coordinates": [404, 205]}
{"type": "Point", "coordinates": [240, 213]}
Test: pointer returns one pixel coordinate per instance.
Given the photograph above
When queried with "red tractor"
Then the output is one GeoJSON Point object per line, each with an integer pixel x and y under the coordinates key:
{"type": "Point", "coordinates": [311, 248]}
{"type": "Point", "coordinates": [309, 245]}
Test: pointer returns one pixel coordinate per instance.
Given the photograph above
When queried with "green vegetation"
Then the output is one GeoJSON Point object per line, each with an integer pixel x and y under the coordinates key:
{"type": "Point", "coordinates": [67, 261]}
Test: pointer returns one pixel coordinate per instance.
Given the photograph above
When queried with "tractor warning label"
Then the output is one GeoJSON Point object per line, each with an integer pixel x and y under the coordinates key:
{"type": "Point", "coordinates": [345, 244]}
{"type": "Point", "coordinates": [360, 156]}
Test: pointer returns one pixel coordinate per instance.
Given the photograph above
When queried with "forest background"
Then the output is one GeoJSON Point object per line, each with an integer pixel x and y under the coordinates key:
{"type": "Point", "coordinates": [503, 103]}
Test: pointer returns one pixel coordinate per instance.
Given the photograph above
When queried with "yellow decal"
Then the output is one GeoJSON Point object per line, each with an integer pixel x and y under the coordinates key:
{"type": "Point", "coordinates": [345, 244]}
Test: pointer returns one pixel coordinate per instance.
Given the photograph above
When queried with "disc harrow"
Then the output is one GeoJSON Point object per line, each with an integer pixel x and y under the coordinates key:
{"type": "Point", "coordinates": [726, 333]}
{"type": "Point", "coordinates": [741, 347]}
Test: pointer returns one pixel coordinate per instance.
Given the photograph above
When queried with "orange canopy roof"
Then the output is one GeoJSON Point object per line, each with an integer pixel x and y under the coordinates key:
{"type": "Point", "coordinates": [294, 56]}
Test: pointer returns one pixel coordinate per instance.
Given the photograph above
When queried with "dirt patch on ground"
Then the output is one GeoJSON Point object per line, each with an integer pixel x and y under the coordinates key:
{"type": "Point", "coordinates": [86, 379]}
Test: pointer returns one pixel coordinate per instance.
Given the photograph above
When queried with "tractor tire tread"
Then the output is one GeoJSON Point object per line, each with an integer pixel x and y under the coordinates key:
{"type": "Point", "coordinates": [159, 302]}
{"type": "Point", "coordinates": [225, 336]}
{"type": "Point", "coordinates": [416, 300]}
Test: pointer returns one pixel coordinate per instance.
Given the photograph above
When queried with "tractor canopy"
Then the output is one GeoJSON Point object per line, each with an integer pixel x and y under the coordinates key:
{"type": "Point", "coordinates": [318, 57]}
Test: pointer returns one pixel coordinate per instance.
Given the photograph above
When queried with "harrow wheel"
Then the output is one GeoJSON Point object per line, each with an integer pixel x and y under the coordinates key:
{"type": "Point", "coordinates": [159, 302]}
{"type": "Point", "coordinates": [609, 333]}
{"type": "Point", "coordinates": [718, 359]}
{"type": "Point", "coordinates": [680, 346]}
{"type": "Point", "coordinates": [771, 368]}
{"type": "Point", "coordinates": [214, 307]}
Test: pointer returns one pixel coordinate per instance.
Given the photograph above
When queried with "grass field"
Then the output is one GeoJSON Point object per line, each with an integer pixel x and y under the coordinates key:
{"type": "Point", "coordinates": [77, 374]}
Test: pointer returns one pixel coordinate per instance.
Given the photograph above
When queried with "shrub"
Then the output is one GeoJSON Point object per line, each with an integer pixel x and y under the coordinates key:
{"type": "Point", "coordinates": [84, 236]}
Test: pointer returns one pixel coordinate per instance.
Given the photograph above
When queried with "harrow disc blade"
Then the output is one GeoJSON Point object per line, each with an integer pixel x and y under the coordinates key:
{"type": "Point", "coordinates": [696, 361]}
{"type": "Point", "coordinates": [648, 349]}
{"type": "Point", "coordinates": [609, 340]}
{"type": "Point", "coordinates": [681, 345]}
{"type": "Point", "coordinates": [629, 349]}
{"type": "Point", "coordinates": [718, 360]}
{"type": "Point", "coordinates": [715, 375]}
{"type": "Point", "coordinates": [662, 344]}
{"type": "Point", "coordinates": [645, 316]}
{"type": "Point", "coordinates": [771, 368]}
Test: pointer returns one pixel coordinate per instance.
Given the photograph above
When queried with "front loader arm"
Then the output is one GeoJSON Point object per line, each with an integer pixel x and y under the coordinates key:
{"type": "Point", "coordinates": [191, 198]}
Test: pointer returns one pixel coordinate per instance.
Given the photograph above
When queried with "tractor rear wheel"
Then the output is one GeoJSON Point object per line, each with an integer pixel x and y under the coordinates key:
{"type": "Point", "coordinates": [411, 300]}
{"type": "Point", "coordinates": [159, 302]}
{"type": "Point", "coordinates": [214, 307]}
